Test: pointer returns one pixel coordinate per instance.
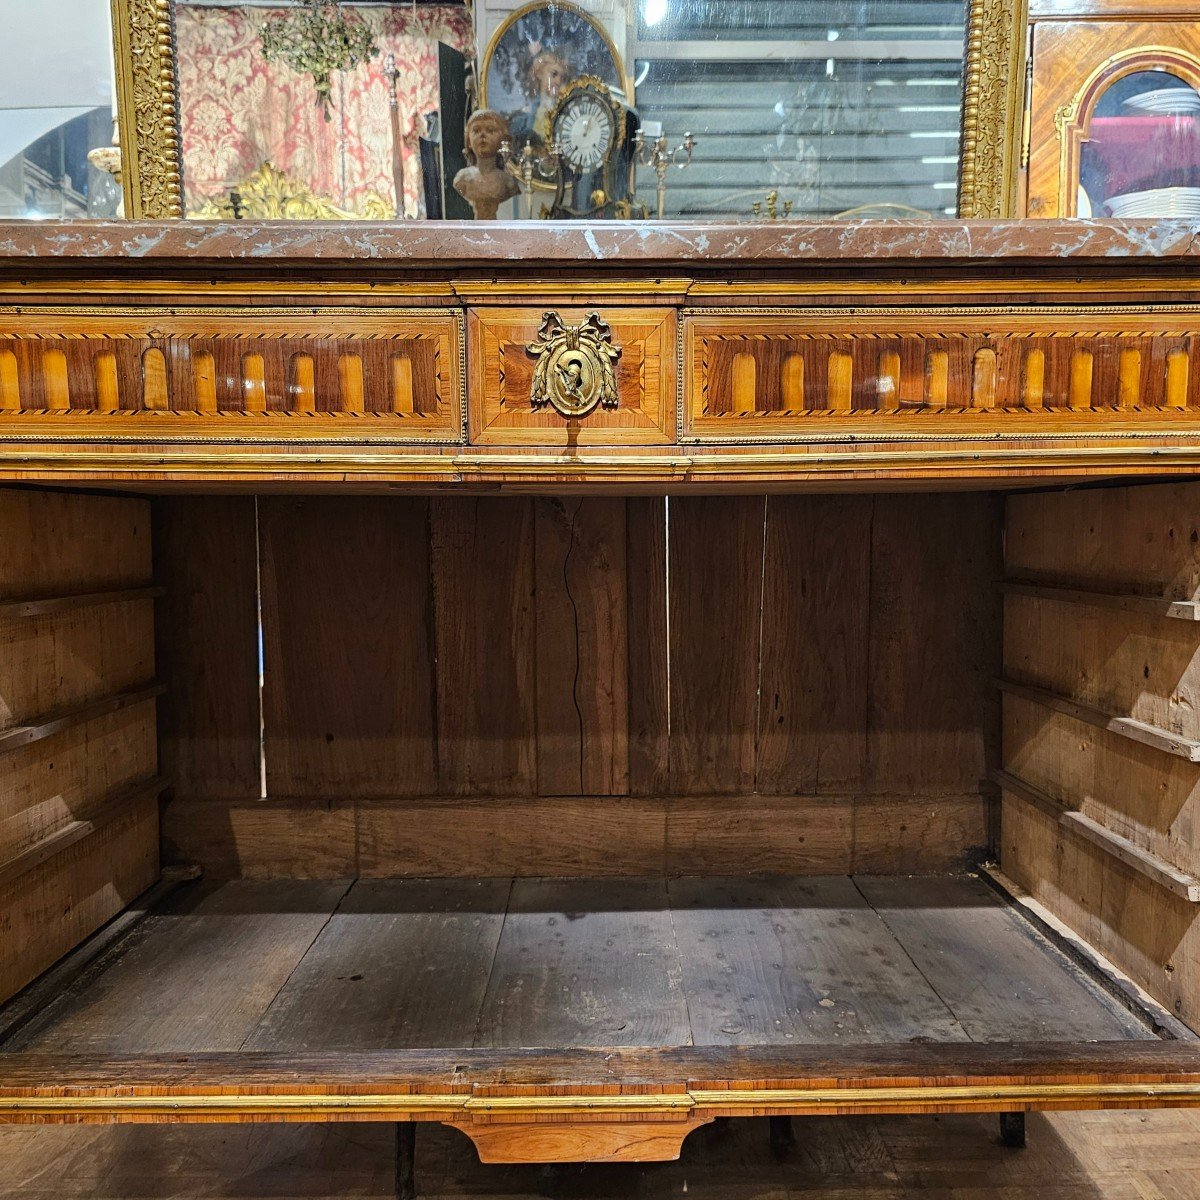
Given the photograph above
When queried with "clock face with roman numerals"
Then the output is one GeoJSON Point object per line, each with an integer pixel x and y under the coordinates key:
{"type": "Point", "coordinates": [585, 131]}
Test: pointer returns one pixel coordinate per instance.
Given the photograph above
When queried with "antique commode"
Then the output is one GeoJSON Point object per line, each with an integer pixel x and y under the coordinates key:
{"type": "Point", "coordinates": [578, 680]}
{"type": "Point", "coordinates": [655, 628]}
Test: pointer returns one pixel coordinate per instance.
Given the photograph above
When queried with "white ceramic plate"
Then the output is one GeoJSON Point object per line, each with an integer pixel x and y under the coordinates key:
{"type": "Point", "coordinates": [1159, 202]}
{"type": "Point", "coordinates": [1166, 102]}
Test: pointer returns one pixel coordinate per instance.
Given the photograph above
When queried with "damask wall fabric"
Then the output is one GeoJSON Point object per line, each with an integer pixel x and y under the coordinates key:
{"type": "Point", "coordinates": [237, 111]}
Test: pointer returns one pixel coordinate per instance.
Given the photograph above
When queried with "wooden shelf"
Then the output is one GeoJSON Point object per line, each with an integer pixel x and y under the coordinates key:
{"type": "Point", "coordinates": [23, 735]}
{"type": "Point", "coordinates": [1187, 887]}
{"type": "Point", "coordinates": [100, 812]}
{"type": "Point", "coordinates": [1127, 727]}
{"type": "Point", "coordinates": [665, 1037]}
{"type": "Point", "coordinates": [45, 605]}
{"type": "Point", "coordinates": [1151, 606]}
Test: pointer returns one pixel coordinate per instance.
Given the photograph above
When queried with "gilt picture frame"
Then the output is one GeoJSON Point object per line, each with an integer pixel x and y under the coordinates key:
{"type": "Point", "coordinates": [536, 50]}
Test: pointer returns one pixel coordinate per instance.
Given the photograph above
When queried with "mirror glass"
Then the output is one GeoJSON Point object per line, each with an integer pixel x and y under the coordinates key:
{"type": "Point", "coordinates": [606, 109]}
{"type": "Point", "coordinates": [1142, 156]}
{"type": "Point", "coordinates": [56, 109]}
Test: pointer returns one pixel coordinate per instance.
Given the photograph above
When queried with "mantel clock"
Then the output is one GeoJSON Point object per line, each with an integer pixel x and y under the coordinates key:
{"type": "Point", "coordinates": [593, 134]}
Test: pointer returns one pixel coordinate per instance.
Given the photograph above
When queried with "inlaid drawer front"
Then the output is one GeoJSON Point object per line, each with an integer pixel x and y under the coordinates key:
{"type": "Point", "coordinates": [380, 374]}
{"type": "Point", "coordinates": [572, 376]}
{"type": "Point", "coordinates": [1011, 372]}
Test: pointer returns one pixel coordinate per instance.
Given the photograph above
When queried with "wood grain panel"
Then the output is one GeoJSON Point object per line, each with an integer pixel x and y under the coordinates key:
{"type": "Point", "coordinates": [483, 572]}
{"type": "Point", "coordinates": [832, 834]}
{"type": "Point", "coordinates": [348, 695]}
{"type": "Point", "coordinates": [611, 946]}
{"type": "Point", "coordinates": [813, 694]}
{"type": "Point", "coordinates": [1144, 540]}
{"type": "Point", "coordinates": [61, 542]}
{"type": "Point", "coordinates": [583, 622]}
{"type": "Point", "coordinates": [206, 555]}
{"type": "Point", "coordinates": [400, 963]}
{"type": "Point", "coordinates": [1106, 778]}
{"type": "Point", "coordinates": [50, 909]}
{"type": "Point", "coordinates": [1001, 980]}
{"type": "Point", "coordinates": [226, 928]}
{"type": "Point", "coordinates": [716, 556]}
{"type": "Point", "coordinates": [78, 842]}
{"type": "Point", "coordinates": [798, 960]}
{"type": "Point", "coordinates": [1141, 541]}
{"type": "Point", "coordinates": [312, 838]}
{"type": "Point", "coordinates": [1146, 931]}
{"type": "Point", "coordinates": [648, 691]}
{"type": "Point", "coordinates": [63, 660]}
{"type": "Point", "coordinates": [540, 604]}
{"type": "Point", "coordinates": [48, 784]}
{"type": "Point", "coordinates": [501, 373]}
{"type": "Point", "coordinates": [932, 714]}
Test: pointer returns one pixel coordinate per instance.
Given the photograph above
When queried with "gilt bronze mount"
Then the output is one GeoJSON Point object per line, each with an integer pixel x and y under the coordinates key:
{"type": "Point", "coordinates": [576, 369]}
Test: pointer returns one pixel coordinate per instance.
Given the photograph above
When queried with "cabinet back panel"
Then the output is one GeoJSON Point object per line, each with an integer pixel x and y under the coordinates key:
{"type": "Point", "coordinates": [581, 686]}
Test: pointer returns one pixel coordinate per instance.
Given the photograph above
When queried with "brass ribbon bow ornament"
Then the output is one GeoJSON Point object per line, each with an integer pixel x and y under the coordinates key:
{"type": "Point", "coordinates": [576, 368]}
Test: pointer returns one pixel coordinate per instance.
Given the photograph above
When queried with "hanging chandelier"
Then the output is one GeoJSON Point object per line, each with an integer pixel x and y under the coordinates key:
{"type": "Point", "coordinates": [317, 40]}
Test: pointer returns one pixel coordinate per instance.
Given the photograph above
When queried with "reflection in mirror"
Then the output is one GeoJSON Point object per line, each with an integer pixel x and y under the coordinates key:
{"type": "Point", "coordinates": [604, 109]}
{"type": "Point", "coordinates": [1142, 156]}
{"type": "Point", "coordinates": [56, 106]}
{"type": "Point", "coordinates": [833, 107]}
{"type": "Point", "coordinates": [305, 133]}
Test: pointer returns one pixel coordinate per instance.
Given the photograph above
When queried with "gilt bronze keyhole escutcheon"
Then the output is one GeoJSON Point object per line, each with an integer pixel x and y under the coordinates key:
{"type": "Point", "coordinates": [576, 367]}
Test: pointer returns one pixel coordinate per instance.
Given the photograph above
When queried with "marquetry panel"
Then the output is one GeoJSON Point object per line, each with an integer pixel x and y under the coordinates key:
{"type": "Point", "coordinates": [1074, 62]}
{"type": "Point", "coordinates": [955, 372]}
{"type": "Point", "coordinates": [502, 369]}
{"type": "Point", "coordinates": [390, 373]}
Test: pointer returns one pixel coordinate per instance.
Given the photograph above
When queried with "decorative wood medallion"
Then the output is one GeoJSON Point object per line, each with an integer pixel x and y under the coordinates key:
{"type": "Point", "coordinates": [386, 374]}
{"type": "Point", "coordinates": [906, 372]}
{"type": "Point", "coordinates": [520, 360]}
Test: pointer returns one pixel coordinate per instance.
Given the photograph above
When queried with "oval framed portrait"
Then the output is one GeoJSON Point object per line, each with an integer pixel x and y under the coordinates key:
{"type": "Point", "coordinates": [537, 51]}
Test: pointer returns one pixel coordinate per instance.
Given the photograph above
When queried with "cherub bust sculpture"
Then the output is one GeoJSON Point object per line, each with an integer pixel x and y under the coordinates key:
{"type": "Point", "coordinates": [485, 184]}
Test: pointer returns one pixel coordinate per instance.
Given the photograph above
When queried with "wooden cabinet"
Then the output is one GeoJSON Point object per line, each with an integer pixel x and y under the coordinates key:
{"type": "Point", "coordinates": [1114, 116]}
{"type": "Point", "coordinates": [599, 776]}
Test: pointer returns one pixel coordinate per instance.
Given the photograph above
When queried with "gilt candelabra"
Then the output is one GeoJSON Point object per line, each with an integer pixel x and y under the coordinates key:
{"type": "Point", "coordinates": [659, 155]}
{"type": "Point", "coordinates": [529, 165]}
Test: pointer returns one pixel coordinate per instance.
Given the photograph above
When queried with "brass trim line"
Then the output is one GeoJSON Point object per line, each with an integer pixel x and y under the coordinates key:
{"type": "Point", "coordinates": [983, 1094]}
{"type": "Point", "coordinates": [18, 464]}
{"type": "Point", "coordinates": [960, 1096]}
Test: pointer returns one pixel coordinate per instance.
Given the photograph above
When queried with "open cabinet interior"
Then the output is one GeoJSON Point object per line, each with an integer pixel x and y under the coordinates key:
{"type": "Point", "coordinates": [489, 773]}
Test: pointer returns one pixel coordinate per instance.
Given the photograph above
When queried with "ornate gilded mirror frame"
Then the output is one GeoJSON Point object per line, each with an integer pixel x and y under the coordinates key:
{"type": "Point", "coordinates": [993, 105]}
{"type": "Point", "coordinates": [148, 107]}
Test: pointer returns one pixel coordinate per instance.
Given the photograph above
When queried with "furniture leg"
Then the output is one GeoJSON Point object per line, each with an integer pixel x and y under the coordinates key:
{"type": "Point", "coordinates": [1012, 1130]}
{"type": "Point", "coordinates": [406, 1147]}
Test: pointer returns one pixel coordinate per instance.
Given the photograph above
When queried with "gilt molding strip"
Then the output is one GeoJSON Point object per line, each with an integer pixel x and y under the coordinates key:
{"type": "Point", "coordinates": [681, 1105]}
{"type": "Point", "coordinates": [148, 107]}
{"type": "Point", "coordinates": [993, 99]}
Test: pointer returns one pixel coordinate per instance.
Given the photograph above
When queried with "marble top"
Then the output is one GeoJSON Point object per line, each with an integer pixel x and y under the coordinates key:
{"type": "Point", "coordinates": [447, 244]}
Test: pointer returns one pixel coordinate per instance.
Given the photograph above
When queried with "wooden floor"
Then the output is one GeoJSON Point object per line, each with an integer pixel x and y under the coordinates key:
{"type": "Point", "coordinates": [1071, 1156]}
{"type": "Point", "coordinates": [382, 964]}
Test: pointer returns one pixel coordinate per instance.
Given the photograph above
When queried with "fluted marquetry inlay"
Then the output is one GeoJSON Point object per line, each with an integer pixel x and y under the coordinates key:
{"type": "Point", "coordinates": [401, 373]}
{"type": "Point", "coordinates": [788, 373]}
